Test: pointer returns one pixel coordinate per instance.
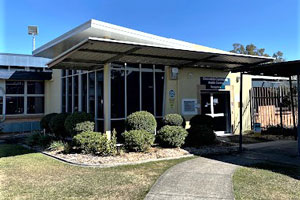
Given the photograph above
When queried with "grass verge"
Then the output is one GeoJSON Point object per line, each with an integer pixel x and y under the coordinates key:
{"type": "Point", "coordinates": [267, 181]}
{"type": "Point", "coordinates": [28, 175]}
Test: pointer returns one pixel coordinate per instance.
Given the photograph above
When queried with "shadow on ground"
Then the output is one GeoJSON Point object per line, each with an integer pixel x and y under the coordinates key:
{"type": "Point", "coordinates": [278, 156]}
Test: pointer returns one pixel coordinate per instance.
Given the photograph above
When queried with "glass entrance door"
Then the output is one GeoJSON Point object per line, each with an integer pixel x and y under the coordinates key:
{"type": "Point", "coordinates": [217, 105]}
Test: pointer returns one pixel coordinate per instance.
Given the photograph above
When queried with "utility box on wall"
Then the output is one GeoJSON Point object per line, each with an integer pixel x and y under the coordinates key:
{"type": "Point", "coordinates": [174, 73]}
{"type": "Point", "coordinates": [189, 107]}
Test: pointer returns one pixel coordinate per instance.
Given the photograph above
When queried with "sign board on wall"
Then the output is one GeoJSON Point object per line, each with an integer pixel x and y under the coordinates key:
{"type": "Point", "coordinates": [172, 98]}
{"type": "Point", "coordinates": [214, 82]}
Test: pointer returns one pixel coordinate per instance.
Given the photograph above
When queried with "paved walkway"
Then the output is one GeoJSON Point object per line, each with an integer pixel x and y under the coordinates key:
{"type": "Point", "coordinates": [211, 178]}
{"type": "Point", "coordinates": [200, 178]}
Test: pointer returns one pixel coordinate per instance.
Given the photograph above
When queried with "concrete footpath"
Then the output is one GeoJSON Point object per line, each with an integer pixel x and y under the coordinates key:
{"type": "Point", "coordinates": [200, 178]}
{"type": "Point", "coordinates": [204, 178]}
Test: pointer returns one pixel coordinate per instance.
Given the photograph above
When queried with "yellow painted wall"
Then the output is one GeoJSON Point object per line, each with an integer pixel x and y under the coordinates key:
{"type": "Point", "coordinates": [53, 93]}
{"type": "Point", "coordinates": [188, 83]}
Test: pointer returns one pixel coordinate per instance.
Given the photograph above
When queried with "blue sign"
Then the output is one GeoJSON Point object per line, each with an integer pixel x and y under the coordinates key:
{"type": "Point", "coordinates": [214, 82]}
{"type": "Point", "coordinates": [172, 94]}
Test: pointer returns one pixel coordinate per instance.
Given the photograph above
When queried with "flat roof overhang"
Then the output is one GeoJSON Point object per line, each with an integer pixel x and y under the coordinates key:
{"type": "Point", "coordinates": [92, 52]}
{"type": "Point", "coordinates": [280, 69]}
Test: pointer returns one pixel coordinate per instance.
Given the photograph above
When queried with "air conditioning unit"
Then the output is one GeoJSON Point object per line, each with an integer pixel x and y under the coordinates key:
{"type": "Point", "coordinates": [189, 107]}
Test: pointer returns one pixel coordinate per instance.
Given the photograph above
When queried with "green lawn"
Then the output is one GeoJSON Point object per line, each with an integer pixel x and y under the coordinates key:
{"type": "Point", "coordinates": [267, 181]}
{"type": "Point", "coordinates": [28, 175]}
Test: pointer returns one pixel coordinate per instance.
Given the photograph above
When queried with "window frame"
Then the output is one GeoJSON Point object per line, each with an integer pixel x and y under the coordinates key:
{"type": "Point", "coordinates": [25, 95]}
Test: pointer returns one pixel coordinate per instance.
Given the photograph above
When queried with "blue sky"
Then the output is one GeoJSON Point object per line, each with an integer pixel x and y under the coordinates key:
{"type": "Point", "coordinates": [270, 24]}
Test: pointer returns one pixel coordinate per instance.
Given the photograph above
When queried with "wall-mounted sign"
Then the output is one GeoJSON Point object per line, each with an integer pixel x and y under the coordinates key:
{"type": "Point", "coordinates": [214, 82]}
{"type": "Point", "coordinates": [172, 98]}
{"type": "Point", "coordinates": [171, 94]}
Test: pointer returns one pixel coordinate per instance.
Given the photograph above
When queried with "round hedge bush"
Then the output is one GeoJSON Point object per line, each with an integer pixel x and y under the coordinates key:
{"type": "Point", "coordinates": [138, 140]}
{"type": "Point", "coordinates": [44, 123]}
{"type": "Point", "coordinates": [201, 120]}
{"type": "Point", "coordinates": [57, 125]}
{"type": "Point", "coordinates": [84, 126]}
{"type": "Point", "coordinates": [75, 118]}
{"type": "Point", "coordinates": [141, 120]}
{"type": "Point", "coordinates": [95, 143]}
{"type": "Point", "coordinates": [173, 120]}
{"type": "Point", "coordinates": [200, 135]}
{"type": "Point", "coordinates": [171, 136]}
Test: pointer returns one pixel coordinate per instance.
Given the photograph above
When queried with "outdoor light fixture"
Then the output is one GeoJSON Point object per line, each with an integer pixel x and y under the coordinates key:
{"type": "Point", "coordinates": [33, 30]}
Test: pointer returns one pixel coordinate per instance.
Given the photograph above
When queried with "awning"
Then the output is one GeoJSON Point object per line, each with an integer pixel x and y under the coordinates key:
{"type": "Point", "coordinates": [23, 75]}
{"type": "Point", "coordinates": [281, 69]}
{"type": "Point", "coordinates": [93, 52]}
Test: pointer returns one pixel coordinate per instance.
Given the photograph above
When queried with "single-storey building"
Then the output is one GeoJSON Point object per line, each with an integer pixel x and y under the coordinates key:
{"type": "Point", "coordinates": [112, 71]}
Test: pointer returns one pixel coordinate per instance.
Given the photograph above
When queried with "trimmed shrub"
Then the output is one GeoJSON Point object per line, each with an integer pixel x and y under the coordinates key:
{"type": "Point", "coordinates": [141, 120]}
{"type": "Point", "coordinates": [201, 120]}
{"type": "Point", "coordinates": [57, 125]}
{"type": "Point", "coordinates": [138, 140]}
{"type": "Point", "coordinates": [44, 123]}
{"type": "Point", "coordinates": [38, 139]}
{"type": "Point", "coordinates": [201, 131]}
{"type": "Point", "coordinates": [85, 126]}
{"type": "Point", "coordinates": [173, 120]}
{"type": "Point", "coordinates": [200, 135]}
{"type": "Point", "coordinates": [76, 118]}
{"type": "Point", "coordinates": [171, 136]}
{"type": "Point", "coordinates": [95, 143]}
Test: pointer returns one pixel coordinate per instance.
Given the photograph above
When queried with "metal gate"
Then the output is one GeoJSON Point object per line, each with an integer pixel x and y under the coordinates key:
{"type": "Point", "coordinates": [272, 106]}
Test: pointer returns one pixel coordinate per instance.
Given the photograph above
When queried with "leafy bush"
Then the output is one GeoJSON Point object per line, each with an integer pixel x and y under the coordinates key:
{"type": "Point", "coordinates": [76, 118]}
{"type": "Point", "coordinates": [173, 120]}
{"type": "Point", "coordinates": [201, 120]}
{"type": "Point", "coordinates": [201, 131]}
{"type": "Point", "coordinates": [171, 136]}
{"type": "Point", "coordinates": [141, 120]}
{"type": "Point", "coordinates": [277, 130]}
{"type": "Point", "coordinates": [95, 143]}
{"type": "Point", "coordinates": [57, 125]}
{"type": "Point", "coordinates": [56, 146]}
{"type": "Point", "coordinates": [138, 140]}
{"type": "Point", "coordinates": [44, 123]}
{"type": "Point", "coordinates": [200, 135]}
{"type": "Point", "coordinates": [85, 126]}
{"type": "Point", "coordinates": [38, 139]}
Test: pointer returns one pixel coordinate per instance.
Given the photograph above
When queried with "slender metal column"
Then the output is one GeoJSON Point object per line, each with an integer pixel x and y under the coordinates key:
{"type": "Point", "coordinates": [292, 103]}
{"type": "Point", "coordinates": [298, 127]}
{"type": "Point", "coordinates": [241, 114]}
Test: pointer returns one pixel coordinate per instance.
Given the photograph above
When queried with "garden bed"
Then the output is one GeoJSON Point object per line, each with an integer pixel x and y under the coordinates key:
{"type": "Point", "coordinates": [154, 153]}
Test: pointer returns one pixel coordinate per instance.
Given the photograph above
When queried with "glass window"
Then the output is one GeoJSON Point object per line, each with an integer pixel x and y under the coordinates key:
{"type": "Point", "coordinates": [147, 92]}
{"type": "Point", "coordinates": [14, 105]}
{"type": "Point", "coordinates": [63, 101]}
{"type": "Point", "coordinates": [133, 91]}
{"type": "Point", "coordinates": [1, 105]}
{"type": "Point", "coordinates": [100, 94]}
{"type": "Point", "coordinates": [84, 92]}
{"type": "Point", "coordinates": [159, 86]}
{"type": "Point", "coordinates": [35, 105]}
{"type": "Point", "coordinates": [75, 93]}
{"type": "Point", "coordinates": [92, 92]}
{"type": "Point", "coordinates": [35, 87]}
{"type": "Point", "coordinates": [69, 94]}
{"type": "Point", "coordinates": [117, 93]}
{"type": "Point", "coordinates": [14, 87]}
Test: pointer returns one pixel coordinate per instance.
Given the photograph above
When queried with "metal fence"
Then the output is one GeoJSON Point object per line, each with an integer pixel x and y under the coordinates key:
{"type": "Point", "coordinates": [272, 106]}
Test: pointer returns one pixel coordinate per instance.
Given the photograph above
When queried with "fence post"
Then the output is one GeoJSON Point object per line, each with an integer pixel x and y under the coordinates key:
{"type": "Point", "coordinates": [280, 106]}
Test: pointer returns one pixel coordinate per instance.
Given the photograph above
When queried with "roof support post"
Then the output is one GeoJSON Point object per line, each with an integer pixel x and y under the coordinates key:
{"type": "Point", "coordinates": [298, 127]}
{"type": "Point", "coordinates": [241, 114]}
{"type": "Point", "coordinates": [292, 104]}
{"type": "Point", "coordinates": [107, 102]}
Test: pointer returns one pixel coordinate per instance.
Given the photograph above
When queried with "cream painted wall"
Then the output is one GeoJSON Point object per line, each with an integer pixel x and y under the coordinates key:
{"type": "Point", "coordinates": [53, 93]}
{"type": "Point", "coordinates": [188, 84]}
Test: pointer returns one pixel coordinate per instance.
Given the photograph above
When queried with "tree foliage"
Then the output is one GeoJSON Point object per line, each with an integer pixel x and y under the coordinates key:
{"type": "Point", "coordinates": [251, 49]}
